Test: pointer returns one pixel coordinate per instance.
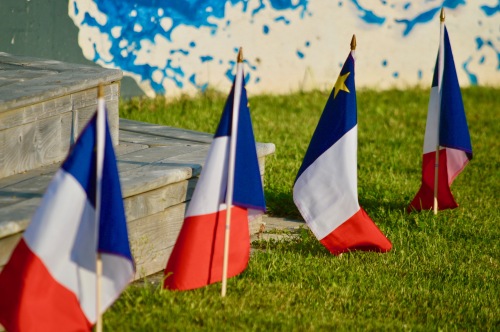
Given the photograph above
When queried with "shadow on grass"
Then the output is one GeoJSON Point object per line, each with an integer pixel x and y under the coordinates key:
{"type": "Point", "coordinates": [280, 204]}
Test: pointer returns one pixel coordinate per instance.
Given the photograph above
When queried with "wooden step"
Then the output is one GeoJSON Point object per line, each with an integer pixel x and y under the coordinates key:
{"type": "Point", "coordinates": [44, 105]}
{"type": "Point", "coordinates": [159, 168]}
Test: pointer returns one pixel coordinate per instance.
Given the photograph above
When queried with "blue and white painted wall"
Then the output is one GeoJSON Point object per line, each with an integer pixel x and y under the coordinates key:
{"type": "Point", "coordinates": [182, 46]}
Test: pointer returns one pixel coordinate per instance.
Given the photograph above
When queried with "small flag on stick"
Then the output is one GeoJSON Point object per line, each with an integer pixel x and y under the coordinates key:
{"type": "Point", "coordinates": [447, 145]}
{"type": "Point", "coordinates": [214, 241]}
{"type": "Point", "coordinates": [325, 190]}
{"type": "Point", "coordinates": [49, 283]}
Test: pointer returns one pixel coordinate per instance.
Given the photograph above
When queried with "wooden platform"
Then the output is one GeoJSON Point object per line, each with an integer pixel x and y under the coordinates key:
{"type": "Point", "coordinates": [158, 168]}
{"type": "Point", "coordinates": [43, 107]}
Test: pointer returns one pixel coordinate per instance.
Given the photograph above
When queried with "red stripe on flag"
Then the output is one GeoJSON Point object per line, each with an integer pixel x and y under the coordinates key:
{"type": "Point", "coordinates": [424, 200]}
{"type": "Point", "coordinates": [32, 300]}
{"type": "Point", "coordinates": [197, 257]}
{"type": "Point", "coordinates": [358, 232]}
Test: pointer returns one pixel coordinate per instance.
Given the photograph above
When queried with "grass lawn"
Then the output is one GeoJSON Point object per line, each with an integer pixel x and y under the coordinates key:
{"type": "Point", "coordinates": [443, 272]}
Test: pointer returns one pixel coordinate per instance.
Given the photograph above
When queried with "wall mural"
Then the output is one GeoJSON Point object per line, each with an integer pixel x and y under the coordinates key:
{"type": "Point", "coordinates": [182, 46]}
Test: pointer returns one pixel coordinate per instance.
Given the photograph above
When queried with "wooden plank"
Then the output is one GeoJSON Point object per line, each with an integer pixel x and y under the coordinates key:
{"type": "Point", "coordinates": [7, 246]}
{"type": "Point", "coordinates": [85, 105]}
{"type": "Point", "coordinates": [16, 217]}
{"type": "Point", "coordinates": [125, 148]}
{"type": "Point", "coordinates": [165, 131]}
{"type": "Point", "coordinates": [152, 239]}
{"type": "Point", "coordinates": [88, 96]}
{"type": "Point", "coordinates": [58, 79]}
{"type": "Point", "coordinates": [14, 161]}
{"type": "Point", "coordinates": [121, 149]}
{"type": "Point", "coordinates": [84, 115]}
{"type": "Point", "coordinates": [52, 139]}
{"type": "Point", "coordinates": [36, 112]}
{"type": "Point", "coordinates": [16, 178]}
{"type": "Point", "coordinates": [265, 149]}
{"type": "Point", "coordinates": [35, 144]}
{"type": "Point", "coordinates": [152, 140]}
{"type": "Point", "coordinates": [154, 201]}
{"type": "Point", "coordinates": [152, 176]}
{"type": "Point", "coordinates": [29, 188]}
{"type": "Point", "coordinates": [153, 155]}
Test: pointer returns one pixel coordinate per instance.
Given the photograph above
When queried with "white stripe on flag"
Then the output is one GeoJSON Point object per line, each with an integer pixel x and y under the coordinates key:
{"type": "Point", "coordinates": [456, 160]}
{"type": "Point", "coordinates": [67, 248]}
{"type": "Point", "coordinates": [326, 192]}
{"type": "Point", "coordinates": [431, 137]}
{"type": "Point", "coordinates": [213, 180]}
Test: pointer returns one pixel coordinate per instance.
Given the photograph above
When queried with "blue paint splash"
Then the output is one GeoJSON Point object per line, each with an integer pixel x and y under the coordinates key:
{"type": "Point", "coordinates": [201, 87]}
{"type": "Point", "coordinates": [206, 58]}
{"type": "Point", "coordinates": [282, 19]}
{"type": "Point", "coordinates": [265, 29]}
{"type": "Point", "coordinates": [490, 11]}
{"type": "Point", "coordinates": [480, 43]}
{"type": "Point", "coordinates": [300, 55]}
{"type": "Point", "coordinates": [144, 20]}
{"type": "Point", "coordinates": [472, 77]}
{"type": "Point", "coordinates": [75, 8]}
{"type": "Point", "coordinates": [232, 64]}
{"type": "Point", "coordinates": [180, 50]}
{"type": "Point", "coordinates": [424, 17]}
{"type": "Point", "coordinates": [427, 16]}
{"type": "Point", "coordinates": [367, 15]}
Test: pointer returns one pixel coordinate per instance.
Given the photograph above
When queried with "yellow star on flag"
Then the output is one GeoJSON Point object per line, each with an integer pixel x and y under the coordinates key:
{"type": "Point", "coordinates": [340, 84]}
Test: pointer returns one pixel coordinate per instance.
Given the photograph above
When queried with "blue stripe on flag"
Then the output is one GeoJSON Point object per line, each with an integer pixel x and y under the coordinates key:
{"type": "Point", "coordinates": [435, 76]}
{"type": "Point", "coordinates": [113, 235]}
{"type": "Point", "coordinates": [248, 191]}
{"type": "Point", "coordinates": [339, 116]}
{"type": "Point", "coordinates": [224, 127]}
{"type": "Point", "coordinates": [81, 164]}
{"type": "Point", "coordinates": [453, 128]}
{"type": "Point", "coordinates": [81, 160]}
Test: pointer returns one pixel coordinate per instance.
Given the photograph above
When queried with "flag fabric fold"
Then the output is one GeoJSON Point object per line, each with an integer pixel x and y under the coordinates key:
{"type": "Point", "coordinates": [325, 189]}
{"type": "Point", "coordinates": [197, 257]}
{"type": "Point", "coordinates": [49, 283]}
{"type": "Point", "coordinates": [447, 127]}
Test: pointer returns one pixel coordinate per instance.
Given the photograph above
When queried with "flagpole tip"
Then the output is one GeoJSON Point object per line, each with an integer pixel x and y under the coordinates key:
{"type": "Point", "coordinates": [100, 91]}
{"type": "Point", "coordinates": [353, 43]}
{"type": "Point", "coordinates": [441, 16]}
{"type": "Point", "coordinates": [240, 55]}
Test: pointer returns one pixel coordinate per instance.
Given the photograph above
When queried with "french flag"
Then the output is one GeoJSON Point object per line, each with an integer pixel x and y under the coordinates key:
{"type": "Point", "coordinates": [325, 190]}
{"type": "Point", "coordinates": [197, 257]}
{"type": "Point", "coordinates": [447, 128]}
{"type": "Point", "coordinates": [49, 283]}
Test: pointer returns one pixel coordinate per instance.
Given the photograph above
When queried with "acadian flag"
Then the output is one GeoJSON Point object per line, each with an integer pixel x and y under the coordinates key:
{"type": "Point", "coordinates": [197, 257]}
{"type": "Point", "coordinates": [49, 283]}
{"type": "Point", "coordinates": [447, 128]}
{"type": "Point", "coordinates": [325, 190]}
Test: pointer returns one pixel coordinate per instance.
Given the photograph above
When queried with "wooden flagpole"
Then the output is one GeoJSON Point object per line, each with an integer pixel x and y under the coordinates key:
{"type": "Point", "coordinates": [440, 89]}
{"type": "Point", "coordinates": [232, 158]}
{"type": "Point", "coordinates": [100, 133]}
